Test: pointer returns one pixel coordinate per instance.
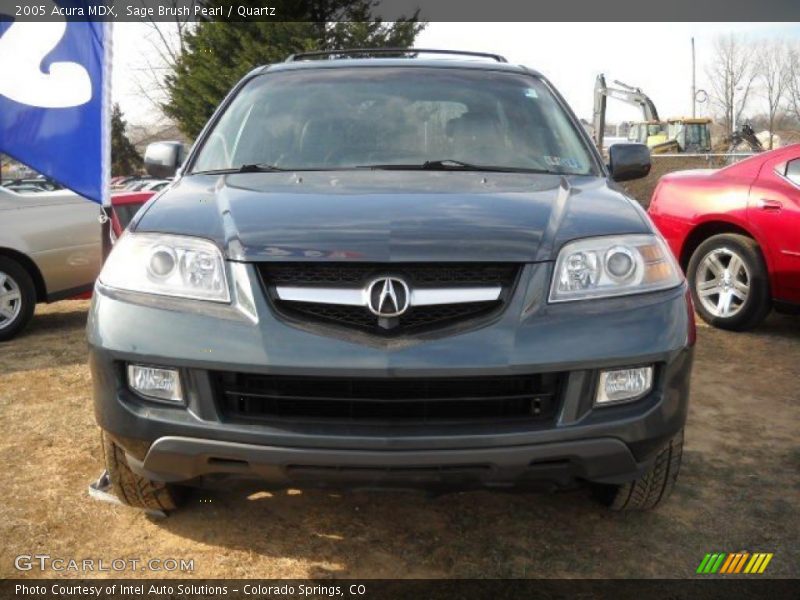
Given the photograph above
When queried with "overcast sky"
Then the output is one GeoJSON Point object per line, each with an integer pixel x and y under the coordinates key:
{"type": "Point", "coordinates": [653, 56]}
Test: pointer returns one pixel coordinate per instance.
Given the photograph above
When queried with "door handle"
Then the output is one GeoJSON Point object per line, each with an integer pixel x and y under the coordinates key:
{"type": "Point", "coordinates": [767, 204]}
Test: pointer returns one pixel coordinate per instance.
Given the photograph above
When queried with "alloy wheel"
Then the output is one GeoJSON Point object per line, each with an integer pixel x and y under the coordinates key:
{"type": "Point", "coordinates": [722, 282]}
{"type": "Point", "coordinates": [10, 300]}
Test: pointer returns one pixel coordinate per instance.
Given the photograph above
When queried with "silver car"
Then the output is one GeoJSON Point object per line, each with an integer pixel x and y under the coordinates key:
{"type": "Point", "coordinates": [50, 249]}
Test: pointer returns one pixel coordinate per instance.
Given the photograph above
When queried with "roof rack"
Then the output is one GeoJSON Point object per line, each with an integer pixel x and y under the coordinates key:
{"type": "Point", "coordinates": [332, 54]}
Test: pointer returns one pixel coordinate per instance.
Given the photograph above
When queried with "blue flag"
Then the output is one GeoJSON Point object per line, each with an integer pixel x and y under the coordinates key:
{"type": "Point", "coordinates": [55, 99]}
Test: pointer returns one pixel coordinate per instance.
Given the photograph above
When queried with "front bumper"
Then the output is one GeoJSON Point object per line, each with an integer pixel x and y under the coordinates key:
{"type": "Point", "coordinates": [611, 444]}
{"type": "Point", "coordinates": [605, 460]}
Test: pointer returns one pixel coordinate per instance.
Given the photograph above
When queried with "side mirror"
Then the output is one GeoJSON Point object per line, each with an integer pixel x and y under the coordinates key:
{"type": "Point", "coordinates": [628, 161]}
{"type": "Point", "coordinates": [162, 159]}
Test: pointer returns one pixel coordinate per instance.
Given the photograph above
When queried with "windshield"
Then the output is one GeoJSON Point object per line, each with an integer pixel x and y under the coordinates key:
{"type": "Point", "coordinates": [654, 130]}
{"type": "Point", "coordinates": [339, 118]}
{"type": "Point", "coordinates": [697, 135]}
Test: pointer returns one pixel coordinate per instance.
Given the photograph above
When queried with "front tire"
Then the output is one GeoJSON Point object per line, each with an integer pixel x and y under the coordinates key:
{"type": "Point", "coordinates": [730, 282]}
{"type": "Point", "coordinates": [652, 488]}
{"type": "Point", "coordinates": [17, 298]}
{"type": "Point", "coordinates": [135, 490]}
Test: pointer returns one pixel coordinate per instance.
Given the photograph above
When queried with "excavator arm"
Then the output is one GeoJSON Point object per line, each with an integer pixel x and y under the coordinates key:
{"type": "Point", "coordinates": [624, 93]}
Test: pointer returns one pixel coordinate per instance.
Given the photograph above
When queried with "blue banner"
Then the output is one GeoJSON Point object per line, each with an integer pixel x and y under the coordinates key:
{"type": "Point", "coordinates": [55, 80]}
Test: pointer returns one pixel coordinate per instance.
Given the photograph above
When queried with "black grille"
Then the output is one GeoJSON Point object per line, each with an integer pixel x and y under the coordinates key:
{"type": "Point", "coordinates": [417, 275]}
{"type": "Point", "coordinates": [415, 319]}
{"type": "Point", "coordinates": [397, 400]}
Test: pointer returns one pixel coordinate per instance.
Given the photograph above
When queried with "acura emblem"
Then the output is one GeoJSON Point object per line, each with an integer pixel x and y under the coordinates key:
{"type": "Point", "coordinates": [388, 297]}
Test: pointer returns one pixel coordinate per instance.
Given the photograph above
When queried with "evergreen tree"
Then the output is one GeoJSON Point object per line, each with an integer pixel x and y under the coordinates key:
{"type": "Point", "coordinates": [125, 160]}
{"type": "Point", "coordinates": [217, 54]}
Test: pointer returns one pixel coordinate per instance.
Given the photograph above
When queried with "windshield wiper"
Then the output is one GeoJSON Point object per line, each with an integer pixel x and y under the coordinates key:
{"type": "Point", "coordinates": [249, 168]}
{"type": "Point", "coordinates": [259, 168]}
{"type": "Point", "coordinates": [450, 165]}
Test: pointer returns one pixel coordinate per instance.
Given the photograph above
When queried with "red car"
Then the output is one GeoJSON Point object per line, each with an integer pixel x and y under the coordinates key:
{"type": "Point", "coordinates": [124, 207]}
{"type": "Point", "coordinates": [736, 233]}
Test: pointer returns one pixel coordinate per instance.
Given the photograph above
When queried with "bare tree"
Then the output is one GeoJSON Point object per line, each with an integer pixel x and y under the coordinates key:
{"type": "Point", "coordinates": [167, 41]}
{"type": "Point", "coordinates": [793, 81]}
{"type": "Point", "coordinates": [773, 72]}
{"type": "Point", "coordinates": [731, 73]}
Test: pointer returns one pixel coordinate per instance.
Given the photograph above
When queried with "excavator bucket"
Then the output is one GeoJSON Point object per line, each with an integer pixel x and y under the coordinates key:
{"type": "Point", "coordinates": [667, 147]}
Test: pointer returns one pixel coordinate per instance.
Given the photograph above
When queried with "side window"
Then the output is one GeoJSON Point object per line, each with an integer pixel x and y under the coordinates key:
{"type": "Point", "coordinates": [793, 171]}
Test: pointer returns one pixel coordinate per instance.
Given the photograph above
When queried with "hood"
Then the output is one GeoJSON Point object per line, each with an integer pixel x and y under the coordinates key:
{"type": "Point", "coordinates": [392, 216]}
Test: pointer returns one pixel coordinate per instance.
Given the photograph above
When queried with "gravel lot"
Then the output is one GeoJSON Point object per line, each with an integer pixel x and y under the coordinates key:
{"type": "Point", "coordinates": [739, 488]}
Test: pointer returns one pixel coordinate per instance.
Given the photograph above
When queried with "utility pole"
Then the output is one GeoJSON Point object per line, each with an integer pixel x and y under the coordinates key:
{"type": "Point", "coordinates": [734, 116]}
{"type": "Point", "coordinates": [694, 84]}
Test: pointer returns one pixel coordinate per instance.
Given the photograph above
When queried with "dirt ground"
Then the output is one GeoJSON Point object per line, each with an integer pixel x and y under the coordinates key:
{"type": "Point", "coordinates": [739, 488]}
{"type": "Point", "coordinates": [642, 189]}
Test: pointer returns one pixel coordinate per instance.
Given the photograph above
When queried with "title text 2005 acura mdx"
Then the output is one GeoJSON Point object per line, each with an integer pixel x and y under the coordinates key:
{"type": "Point", "coordinates": [394, 272]}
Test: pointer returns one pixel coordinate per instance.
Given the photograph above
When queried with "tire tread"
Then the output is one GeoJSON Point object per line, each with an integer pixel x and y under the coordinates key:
{"type": "Point", "coordinates": [133, 489]}
{"type": "Point", "coordinates": [653, 487]}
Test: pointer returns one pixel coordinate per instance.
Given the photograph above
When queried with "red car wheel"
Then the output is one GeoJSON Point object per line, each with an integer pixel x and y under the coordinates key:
{"type": "Point", "coordinates": [729, 282]}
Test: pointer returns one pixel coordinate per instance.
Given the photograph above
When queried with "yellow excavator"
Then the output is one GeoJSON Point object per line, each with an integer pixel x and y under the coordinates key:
{"type": "Point", "coordinates": [678, 134]}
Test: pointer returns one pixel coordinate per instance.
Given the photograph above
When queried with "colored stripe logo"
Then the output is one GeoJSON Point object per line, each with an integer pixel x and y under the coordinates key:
{"type": "Point", "coordinates": [738, 562]}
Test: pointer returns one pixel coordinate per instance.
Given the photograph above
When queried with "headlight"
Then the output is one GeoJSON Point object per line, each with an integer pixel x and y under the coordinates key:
{"type": "Point", "coordinates": [169, 265]}
{"type": "Point", "coordinates": [613, 266]}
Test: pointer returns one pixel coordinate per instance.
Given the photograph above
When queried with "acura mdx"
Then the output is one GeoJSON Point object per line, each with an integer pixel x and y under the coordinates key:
{"type": "Point", "coordinates": [384, 270]}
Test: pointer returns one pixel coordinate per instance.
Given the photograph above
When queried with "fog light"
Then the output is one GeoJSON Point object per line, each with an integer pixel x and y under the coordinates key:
{"type": "Point", "coordinates": [624, 385]}
{"type": "Point", "coordinates": [159, 384]}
